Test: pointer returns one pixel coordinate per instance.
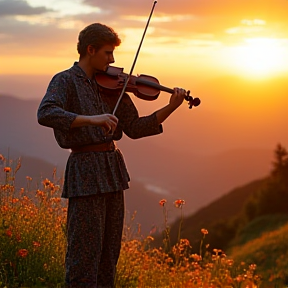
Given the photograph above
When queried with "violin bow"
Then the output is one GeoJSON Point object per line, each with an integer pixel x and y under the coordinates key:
{"type": "Point", "coordinates": [135, 59]}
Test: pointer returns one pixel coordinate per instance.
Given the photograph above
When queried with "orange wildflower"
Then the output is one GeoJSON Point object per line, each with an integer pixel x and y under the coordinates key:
{"type": "Point", "coordinates": [9, 232]}
{"type": "Point", "coordinates": [18, 238]}
{"type": "Point", "coordinates": [162, 202]}
{"type": "Point", "coordinates": [22, 253]}
{"type": "Point", "coordinates": [36, 244]}
{"type": "Point", "coordinates": [46, 182]}
{"type": "Point", "coordinates": [204, 231]}
{"type": "Point", "coordinates": [40, 193]}
{"type": "Point", "coordinates": [55, 200]}
{"type": "Point", "coordinates": [2, 158]}
{"type": "Point", "coordinates": [4, 208]}
{"type": "Point", "coordinates": [7, 169]}
{"type": "Point", "coordinates": [179, 203]}
{"type": "Point", "coordinates": [28, 178]}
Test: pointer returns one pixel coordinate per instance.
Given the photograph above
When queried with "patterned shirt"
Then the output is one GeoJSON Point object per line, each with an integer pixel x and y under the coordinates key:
{"type": "Point", "coordinates": [71, 93]}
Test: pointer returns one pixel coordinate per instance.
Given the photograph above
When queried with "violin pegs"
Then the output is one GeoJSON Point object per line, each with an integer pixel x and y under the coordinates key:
{"type": "Point", "coordinates": [189, 99]}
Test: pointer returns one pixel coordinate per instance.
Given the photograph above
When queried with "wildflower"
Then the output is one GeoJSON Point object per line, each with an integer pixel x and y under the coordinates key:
{"type": "Point", "coordinates": [204, 231]}
{"type": "Point", "coordinates": [9, 232]}
{"type": "Point", "coordinates": [29, 178]}
{"type": "Point", "coordinates": [162, 202]}
{"type": "Point", "coordinates": [252, 266]}
{"type": "Point", "coordinates": [230, 262]}
{"type": "Point", "coordinates": [15, 200]}
{"type": "Point", "coordinates": [46, 182]}
{"type": "Point", "coordinates": [2, 158]}
{"type": "Point", "coordinates": [196, 257]}
{"type": "Point", "coordinates": [57, 187]}
{"type": "Point", "coordinates": [179, 203]}
{"type": "Point", "coordinates": [22, 253]}
{"type": "Point", "coordinates": [36, 244]}
{"type": "Point", "coordinates": [52, 187]}
{"type": "Point", "coordinates": [18, 238]}
{"type": "Point", "coordinates": [4, 208]}
{"type": "Point", "coordinates": [185, 242]}
{"type": "Point", "coordinates": [7, 169]}
{"type": "Point", "coordinates": [55, 200]}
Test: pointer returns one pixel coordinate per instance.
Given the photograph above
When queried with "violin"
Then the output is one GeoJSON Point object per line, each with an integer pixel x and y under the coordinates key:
{"type": "Point", "coordinates": [143, 86]}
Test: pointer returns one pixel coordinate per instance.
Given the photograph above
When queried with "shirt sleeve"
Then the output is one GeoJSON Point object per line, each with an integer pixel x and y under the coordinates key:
{"type": "Point", "coordinates": [51, 112]}
{"type": "Point", "coordinates": [134, 126]}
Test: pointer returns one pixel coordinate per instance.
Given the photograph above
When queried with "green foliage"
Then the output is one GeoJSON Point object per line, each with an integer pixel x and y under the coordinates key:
{"type": "Point", "coordinates": [258, 227]}
{"type": "Point", "coordinates": [270, 253]}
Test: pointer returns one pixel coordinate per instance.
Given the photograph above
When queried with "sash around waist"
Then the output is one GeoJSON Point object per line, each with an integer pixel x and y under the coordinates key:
{"type": "Point", "coordinates": [110, 146]}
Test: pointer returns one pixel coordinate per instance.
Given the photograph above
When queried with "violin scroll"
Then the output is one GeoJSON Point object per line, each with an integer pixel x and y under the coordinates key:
{"type": "Point", "coordinates": [192, 101]}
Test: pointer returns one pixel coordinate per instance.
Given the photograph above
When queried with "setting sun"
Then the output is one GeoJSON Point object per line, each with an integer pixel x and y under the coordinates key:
{"type": "Point", "coordinates": [260, 57]}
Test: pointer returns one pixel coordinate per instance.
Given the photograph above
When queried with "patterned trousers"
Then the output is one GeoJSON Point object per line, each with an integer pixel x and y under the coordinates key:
{"type": "Point", "coordinates": [94, 227]}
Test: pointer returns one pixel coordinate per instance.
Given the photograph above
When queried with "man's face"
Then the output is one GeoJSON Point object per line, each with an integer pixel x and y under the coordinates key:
{"type": "Point", "coordinates": [103, 57]}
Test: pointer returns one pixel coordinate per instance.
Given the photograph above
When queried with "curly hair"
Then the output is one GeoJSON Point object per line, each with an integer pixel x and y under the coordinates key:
{"type": "Point", "coordinates": [98, 35]}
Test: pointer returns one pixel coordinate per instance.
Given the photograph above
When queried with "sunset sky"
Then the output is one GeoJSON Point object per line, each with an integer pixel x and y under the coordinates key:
{"type": "Point", "coordinates": [214, 48]}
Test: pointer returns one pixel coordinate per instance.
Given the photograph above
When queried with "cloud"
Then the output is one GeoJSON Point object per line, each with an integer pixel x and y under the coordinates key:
{"type": "Point", "coordinates": [198, 17]}
{"type": "Point", "coordinates": [18, 7]}
{"type": "Point", "coordinates": [205, 23]}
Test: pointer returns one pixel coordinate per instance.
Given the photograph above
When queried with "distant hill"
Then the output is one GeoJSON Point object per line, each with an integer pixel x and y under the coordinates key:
{"type": "Point", "coordinates": [164, 171]}
{"type": "Point", "coordinates": [223, 209]}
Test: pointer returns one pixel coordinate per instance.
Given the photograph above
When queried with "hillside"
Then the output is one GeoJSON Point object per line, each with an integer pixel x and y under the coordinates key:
{"type": "Point", "coordinates": [268, 252]}
{"type": "Point", "coordinates": [222, 210]}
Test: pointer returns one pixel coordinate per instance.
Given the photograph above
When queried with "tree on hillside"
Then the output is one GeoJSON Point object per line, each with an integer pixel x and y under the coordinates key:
{"type": "Point", "coordinates": [272, 198]}
{"type": "Point", "coordinates": [280, 165]}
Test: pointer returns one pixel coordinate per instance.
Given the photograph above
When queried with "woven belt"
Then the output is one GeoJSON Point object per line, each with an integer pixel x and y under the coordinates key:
{"type": "Point", "coordinates": [94, 148]}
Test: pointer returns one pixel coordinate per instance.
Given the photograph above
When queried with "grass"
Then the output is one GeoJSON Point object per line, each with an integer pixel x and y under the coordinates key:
{"type": "Point", "coordinates": [270, 253]}
{"type": "Point", "coordinates": [33, 243]}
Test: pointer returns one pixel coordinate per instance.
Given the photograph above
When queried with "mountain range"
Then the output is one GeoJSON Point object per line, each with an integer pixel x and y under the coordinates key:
{"type": "Point", "coordinates": [157, 171]}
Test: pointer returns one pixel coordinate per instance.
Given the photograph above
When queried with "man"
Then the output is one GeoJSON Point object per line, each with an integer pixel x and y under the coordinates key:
{"type": "Point", "coordinates": [96, 175]}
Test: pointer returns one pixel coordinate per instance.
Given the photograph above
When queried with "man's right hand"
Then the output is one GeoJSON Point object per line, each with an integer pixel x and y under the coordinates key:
{"type": "Point", "coordinates": [107, 121]}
